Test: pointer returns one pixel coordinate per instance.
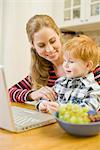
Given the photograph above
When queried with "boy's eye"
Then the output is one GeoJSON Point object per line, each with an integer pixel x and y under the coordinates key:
{"type": "Point", "coordinates": [71, 61]}
{"type": "Point", "coordinates": [65, 61]}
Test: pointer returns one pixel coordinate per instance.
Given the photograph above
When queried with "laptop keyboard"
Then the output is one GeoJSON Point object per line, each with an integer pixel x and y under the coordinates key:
{"type": "Point", "coordinates": [25, 118]}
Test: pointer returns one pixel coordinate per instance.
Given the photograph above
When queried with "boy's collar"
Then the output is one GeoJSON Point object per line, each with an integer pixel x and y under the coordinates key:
{"type": "Point", "coordinates": [88, 81]}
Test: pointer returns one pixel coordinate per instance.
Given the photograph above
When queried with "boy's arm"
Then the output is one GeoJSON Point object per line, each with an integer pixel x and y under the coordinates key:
{"type": "Point", "coordinates": [39, 102]}
{"type": "Point", "coordinates": [92, 100]}
{"type": "Point", "coordinates": [43, 106]}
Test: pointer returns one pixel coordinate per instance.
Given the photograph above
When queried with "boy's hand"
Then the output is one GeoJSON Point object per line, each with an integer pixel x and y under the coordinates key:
{"type": "Point", "coordinates": [47, 106]}
{"type": "Point", "coordinates": [43, 106]}
{"type": "Point", "coordinates": [52, 107]}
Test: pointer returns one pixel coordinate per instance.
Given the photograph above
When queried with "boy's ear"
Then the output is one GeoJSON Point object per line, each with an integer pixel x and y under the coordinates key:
{"type": "Point", "coordinates": [90, 64]}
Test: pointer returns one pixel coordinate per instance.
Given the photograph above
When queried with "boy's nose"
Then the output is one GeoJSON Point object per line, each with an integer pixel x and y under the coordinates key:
{"type": "Point", "coordinates": [66, 64]}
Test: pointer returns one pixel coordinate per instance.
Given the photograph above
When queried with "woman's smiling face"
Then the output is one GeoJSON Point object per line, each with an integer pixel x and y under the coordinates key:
{"type": "Point", "coordinates": [47, 44]}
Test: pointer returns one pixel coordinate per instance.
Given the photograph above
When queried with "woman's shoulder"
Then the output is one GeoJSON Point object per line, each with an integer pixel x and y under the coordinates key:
{"type": "Point", "coordinates": [28, 78]}
{"type": "Point", "coordinates": [25, 83]}
{"type": "Point", "coordinates": [96, 73]}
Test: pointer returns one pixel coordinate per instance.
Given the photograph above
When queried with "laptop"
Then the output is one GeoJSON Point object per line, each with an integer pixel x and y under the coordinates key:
{"type": "Point", "coordinates": [17, 119]}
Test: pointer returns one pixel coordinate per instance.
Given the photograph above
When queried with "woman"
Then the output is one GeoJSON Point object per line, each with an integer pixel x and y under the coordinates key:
{"type": "Point", "coordinates": [47, 59]}
{"type": "Point", "coordinates": [46, 64]}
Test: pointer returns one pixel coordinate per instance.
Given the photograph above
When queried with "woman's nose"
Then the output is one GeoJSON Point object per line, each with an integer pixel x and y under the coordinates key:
{"type": "Point", "coordinates": [49, 48]}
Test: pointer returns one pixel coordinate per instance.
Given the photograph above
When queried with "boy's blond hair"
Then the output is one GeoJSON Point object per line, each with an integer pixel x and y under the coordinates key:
{"type": "Point", "coordinates": [83, 48]}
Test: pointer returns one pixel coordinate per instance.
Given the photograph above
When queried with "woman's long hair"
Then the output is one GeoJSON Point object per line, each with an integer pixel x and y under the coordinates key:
{"type": "Point", "coordinates": [40, 66]}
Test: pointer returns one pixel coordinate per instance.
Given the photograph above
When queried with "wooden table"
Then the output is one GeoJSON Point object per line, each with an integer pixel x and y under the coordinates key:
{"type": "Point", "coordinates": [50, 137]}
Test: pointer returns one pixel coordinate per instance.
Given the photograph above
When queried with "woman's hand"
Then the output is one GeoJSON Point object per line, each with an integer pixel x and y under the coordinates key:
{"type": "Point", "coordinates": [44, 92]}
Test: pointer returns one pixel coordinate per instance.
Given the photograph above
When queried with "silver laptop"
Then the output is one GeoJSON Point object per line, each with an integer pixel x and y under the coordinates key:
{"type": "Point", "coordinates": [17, 119]}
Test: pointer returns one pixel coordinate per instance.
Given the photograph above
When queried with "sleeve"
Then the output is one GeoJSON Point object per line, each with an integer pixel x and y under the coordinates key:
{"type": "Point", "coordinates": [38, 103]}
{"type": "Point", "coordinates": [19, 92]}
{"type": "Point", "coordinates": [92, 100]}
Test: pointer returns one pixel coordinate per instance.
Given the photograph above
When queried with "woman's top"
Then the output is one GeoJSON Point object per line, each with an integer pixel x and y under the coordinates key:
{"type": "Point", "coordinates": [20, 91]}
{"type": "Point", "coordinates": [96, 73]}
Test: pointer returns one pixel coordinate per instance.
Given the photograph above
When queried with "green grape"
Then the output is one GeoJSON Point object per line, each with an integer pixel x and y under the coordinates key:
{"type": "Point", "coordinates": [66, 116]}
{"type": "Point", "coordinates": [61, 117]}
{"type": "Point", "coordinates": [85, 109]}
{"type": "Point", "coordinates": [73, 113]}
{"type": "Point", "coordinates": [73, 119]}
{"type": "Point", "coordinates": [62, 110]}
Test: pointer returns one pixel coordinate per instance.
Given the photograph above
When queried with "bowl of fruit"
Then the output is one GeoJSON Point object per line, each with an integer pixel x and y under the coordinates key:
{"type": "Point", "coordinates": [77, 120]}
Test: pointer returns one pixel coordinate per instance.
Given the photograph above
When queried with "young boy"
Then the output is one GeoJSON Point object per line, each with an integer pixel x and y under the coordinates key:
{"type": "Point", "coordinates": [81, 56]}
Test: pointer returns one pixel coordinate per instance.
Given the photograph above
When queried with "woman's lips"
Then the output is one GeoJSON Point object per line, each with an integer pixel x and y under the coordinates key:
{"type": "Point", "coordinates": [51, 56]}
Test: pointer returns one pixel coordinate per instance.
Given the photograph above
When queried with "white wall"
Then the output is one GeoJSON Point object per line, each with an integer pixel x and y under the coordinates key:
{"type": "Point", "coordinates": [1, 17]}
{"type": "Point", "coordinates": [16, 48]}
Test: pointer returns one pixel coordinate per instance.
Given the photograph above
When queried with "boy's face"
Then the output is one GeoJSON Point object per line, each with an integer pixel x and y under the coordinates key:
{"type": "Point", "coordinates": [74, 67]}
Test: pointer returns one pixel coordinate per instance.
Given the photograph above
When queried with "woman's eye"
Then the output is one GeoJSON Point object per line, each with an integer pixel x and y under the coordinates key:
{"type": "Point", "coordinates": [52, 41]}
{"type": "Point", "coordinates": [41, 45]}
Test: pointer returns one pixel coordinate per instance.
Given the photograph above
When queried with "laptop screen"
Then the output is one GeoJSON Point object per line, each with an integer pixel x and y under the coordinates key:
{"type": "Point", "coordinates": [6, 120]}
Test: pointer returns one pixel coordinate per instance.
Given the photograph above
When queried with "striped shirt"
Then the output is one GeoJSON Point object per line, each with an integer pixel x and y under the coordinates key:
{"type": "Point", "coordinates": [20, 91]}
{"type": "Point", "coordinates": [97, 74]}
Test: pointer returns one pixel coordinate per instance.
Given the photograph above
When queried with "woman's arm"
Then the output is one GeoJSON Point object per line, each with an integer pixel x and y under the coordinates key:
{"type": "Point", "coordinates": [19, 92]}
{"type": "Point", "coordinates": [22, 92]}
